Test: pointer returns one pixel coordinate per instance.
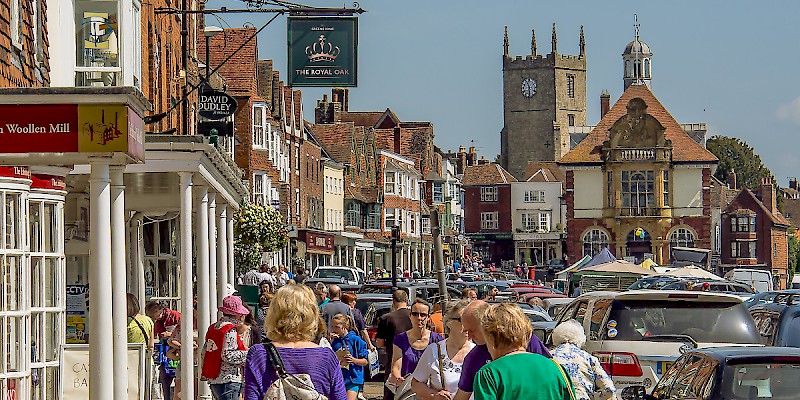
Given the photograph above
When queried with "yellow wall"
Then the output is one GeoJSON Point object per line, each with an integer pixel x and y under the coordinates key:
{"type": "Point", "coordinates": [333, 199]}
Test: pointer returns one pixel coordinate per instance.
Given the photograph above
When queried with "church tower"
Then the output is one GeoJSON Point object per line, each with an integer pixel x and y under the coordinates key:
{"type": "Point", "coordinates": [637, 60]}
{"type": "Point", "coordinates": [543, 95]}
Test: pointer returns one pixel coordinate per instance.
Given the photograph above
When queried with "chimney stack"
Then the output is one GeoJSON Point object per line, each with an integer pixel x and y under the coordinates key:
{"type": "Point", "coordinates": [793, 183]}
{"type": "Point", "coordinates": [732, 179]}
{"type": "Point", "coordinates": [397, 140]}
{"type": "Point", "coordinates": [768, 195]}
{"type": "Point", "coordinates": [605, 103]}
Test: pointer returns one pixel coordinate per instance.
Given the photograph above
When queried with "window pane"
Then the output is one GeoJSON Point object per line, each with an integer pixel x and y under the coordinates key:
{"type": "Point", "coordinates": [14, 332]}
{"type": "Point", "coordinates": [12, 207]}
{"type": "Point", "coordinates": [51, 272]}
{"type": "Point", "coordinates": [37, 378]}
{"type": "Point", "coordinates": [34, 226]}
{"type": "Point", "coordinates": [36, 279]}
{"type": "Point", "coordinates": [97, 40]}
{"type": "Point", "coordinates": [164, 237]}
{"type": "Point", "coordinates": [50, 225]}
{"type": "Point", "coordinates": [10, 276]}
{"type": "Point", "coordinates": [53, 378]}
{"type": "Point", "coordinates": [36, 341]}
{"type": "Point", "coordinates": [51, 337]}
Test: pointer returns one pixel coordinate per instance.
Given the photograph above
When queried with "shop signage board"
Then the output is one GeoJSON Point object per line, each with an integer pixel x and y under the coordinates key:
{"type": "Point", "coordinates": [75, 371]}
{"type": "Point", "coordinates": [215, 105]}
{"type": "Point", "coordinates": [319, 242]}
{"type": "Point", "coordinates": [322, 51]}
{"type": "Point", "coordinates": [71, 128]}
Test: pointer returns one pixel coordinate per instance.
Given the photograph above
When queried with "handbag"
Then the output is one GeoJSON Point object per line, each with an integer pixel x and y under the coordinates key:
{"type": "Point", "coordinates": [374, 363]}
{"type": "Point", "coordinates": [288, 386]}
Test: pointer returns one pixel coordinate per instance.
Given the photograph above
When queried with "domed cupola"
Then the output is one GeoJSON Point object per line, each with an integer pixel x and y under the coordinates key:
{"type": "Point", "coordinates": [637, 60]}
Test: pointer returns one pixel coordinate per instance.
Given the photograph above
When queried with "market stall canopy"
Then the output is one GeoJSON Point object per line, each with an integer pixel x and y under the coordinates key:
{"type": "Point", "coordinates": [692, 271]}
{"type": "Point", "coordinates": [616, 267]}
{"type": "Point", "coordinates": [574, 267]}
{"type": "Point", "coordinates": [648, 264]}
{"type": "Point", "coordinates": [604, 256]}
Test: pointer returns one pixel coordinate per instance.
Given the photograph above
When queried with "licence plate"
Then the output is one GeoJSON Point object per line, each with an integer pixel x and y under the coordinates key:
{"type": "Point", "coordinates": [663, 366]}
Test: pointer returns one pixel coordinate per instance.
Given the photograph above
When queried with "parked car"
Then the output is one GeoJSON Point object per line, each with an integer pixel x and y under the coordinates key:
{"type": "Point", "coordinates": [736, 288]}
{"type": "Point", "coordinates": [653, 282]}
{"type": "Point", "coordinates": [728, 373]}
{"type": "Point", "coordinates": [340, 281]}
{"type": "Point", "coordinates": [768, 297]}
{"type": "Point", "coordinates": [759, 279]}
{"type": "Point", "coordinates": [351, 275]}
{"type": "Point", "coordinates": [638, 334]}
{"type": "Point", "coordinates": [427, 292]}
{"type": "Point", "coordinates": [556, 304]}
{"type": "Point", "coordinates": [779, 322]}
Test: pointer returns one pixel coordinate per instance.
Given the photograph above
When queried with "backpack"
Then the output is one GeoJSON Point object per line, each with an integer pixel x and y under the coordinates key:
{"type": "Point", "coordinates": [288, 386]}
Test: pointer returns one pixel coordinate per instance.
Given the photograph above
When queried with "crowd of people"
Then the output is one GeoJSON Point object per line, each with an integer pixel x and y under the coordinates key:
{"type": "Point", "coordinates": [303, 342]}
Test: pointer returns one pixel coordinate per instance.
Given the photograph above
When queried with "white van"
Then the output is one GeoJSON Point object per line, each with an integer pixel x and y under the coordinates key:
{"type": "Point", "coordinates": [759, 279]}
{"type": "Point", "coordinates": [795, 282]}
{"type": "Point", "coordinates": [349, 275]}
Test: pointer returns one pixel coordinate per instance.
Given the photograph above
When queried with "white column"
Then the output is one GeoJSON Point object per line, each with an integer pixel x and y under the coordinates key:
{"type": "Point", "coordinates": [119, 289]}
{"type": "Point", "coordinates": [222, 253]}
{"type": "Point", "coordinates": [137, 260]}
{"type": "Point", "coordinates": [203, 274]}
{"type": "Point", "coordinates": [231, 266]}
{"type": "Point", "coordinates": [212, 257]}
{"type": "Point", "coordinates": [101, 329]}
{"type": "Point", "coordinates": [187, 311]}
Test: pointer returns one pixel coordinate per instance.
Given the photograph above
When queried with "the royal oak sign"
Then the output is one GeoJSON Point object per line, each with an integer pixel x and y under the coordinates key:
{"type": "Point", "coordinates": [215, 105]}
{"type": "Point", "coordinates": [322, 51]}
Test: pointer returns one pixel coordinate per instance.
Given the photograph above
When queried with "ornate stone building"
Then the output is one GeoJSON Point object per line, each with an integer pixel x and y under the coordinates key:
{"type": "Point", "coordinates": [543, 95]}
{"type": "Point", "coordinates": [638, 184]}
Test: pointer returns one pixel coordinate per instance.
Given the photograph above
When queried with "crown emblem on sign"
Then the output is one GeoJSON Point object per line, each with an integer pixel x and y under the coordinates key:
{"type": "Point", "coordinates": [322, 50]}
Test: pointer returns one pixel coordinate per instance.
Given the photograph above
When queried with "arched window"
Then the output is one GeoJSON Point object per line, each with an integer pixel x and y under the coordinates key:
{"type": "Point", "coordinates": [680, 237]}
{"type": "Point", "coordinates": [637, 69]}
{"type": "Point", "coordinates": [627, 71]}
{"type": "Point", "coordinates": [646, 67]}
{"type": "Point", "coordinates": [594, 241]}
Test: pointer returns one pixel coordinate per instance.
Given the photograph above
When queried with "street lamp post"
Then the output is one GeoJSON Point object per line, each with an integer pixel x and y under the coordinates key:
{"type": "Point", "coordinates": [395, 236]}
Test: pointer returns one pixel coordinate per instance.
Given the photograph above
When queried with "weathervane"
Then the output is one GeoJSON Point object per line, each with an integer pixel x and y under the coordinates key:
{"type": "Point", "coordinates": [636, 26]}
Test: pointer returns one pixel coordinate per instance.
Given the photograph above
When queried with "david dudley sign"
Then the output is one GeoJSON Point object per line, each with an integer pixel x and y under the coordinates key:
{"type": "Point", "coordinates": [322, 51]}
{"type": "Point", "coordinates": [215, 105]}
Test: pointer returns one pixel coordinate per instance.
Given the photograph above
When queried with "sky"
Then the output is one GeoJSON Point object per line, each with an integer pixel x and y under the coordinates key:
{"type": "Point", "coordinates": [731, 64]}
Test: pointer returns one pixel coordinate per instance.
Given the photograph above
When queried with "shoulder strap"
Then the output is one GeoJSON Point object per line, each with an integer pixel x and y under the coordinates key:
{"type": "Point", "coordinates": [148, 340]}
{"type": "Point", "coordinates": [441, 363]}
{"type": "Point", "coordinates": [566, 380]}
{"type": "Point", "coordinates": [275, 359]}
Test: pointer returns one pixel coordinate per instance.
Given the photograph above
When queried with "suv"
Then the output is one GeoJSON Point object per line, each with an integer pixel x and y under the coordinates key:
{"type": "Point", "coordinates": [349, 275]}
{"type": "Point", "coordinates": [428, 292]}
{"type": "Point", "coordinates": [637, 335]}
{"type": "Point", "coordinates": [779, 322]}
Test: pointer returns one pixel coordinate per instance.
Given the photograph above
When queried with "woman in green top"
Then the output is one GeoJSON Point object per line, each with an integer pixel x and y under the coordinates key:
{"type": "Point", "coordinates": [140, 327]}
{"type": "Point", "coordinates": [516, 374]}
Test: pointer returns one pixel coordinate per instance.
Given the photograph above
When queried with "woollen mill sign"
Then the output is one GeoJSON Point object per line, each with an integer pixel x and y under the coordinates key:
{"type": "Point", "coordinates": [215, 105]}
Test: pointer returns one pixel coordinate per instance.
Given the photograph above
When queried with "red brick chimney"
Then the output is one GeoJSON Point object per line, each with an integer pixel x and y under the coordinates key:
{"type": "Point", "coordinates": [397, 140]}
{"type": "Point", "coordinates": [732, 179]}
{"type": "Point", "coordinates": [768, 195]}
{"type": "Point", "coordinates": [793, 183]}
{"type": "Point", "coordinates": [605, 103]}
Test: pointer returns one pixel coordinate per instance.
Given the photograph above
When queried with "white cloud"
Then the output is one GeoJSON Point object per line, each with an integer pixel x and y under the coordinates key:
{"type": "Point", "coordinates": [790, 111]}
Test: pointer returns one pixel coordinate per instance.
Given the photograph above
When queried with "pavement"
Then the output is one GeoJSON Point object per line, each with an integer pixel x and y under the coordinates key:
{"type": "Point", "coordinates": [373, 390]}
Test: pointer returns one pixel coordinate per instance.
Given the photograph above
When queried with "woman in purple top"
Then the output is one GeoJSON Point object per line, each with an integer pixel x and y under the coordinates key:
{"type": "Point", "coordinates": [409, 345]}
{"type": "Point", "coordinates": [291, 322]}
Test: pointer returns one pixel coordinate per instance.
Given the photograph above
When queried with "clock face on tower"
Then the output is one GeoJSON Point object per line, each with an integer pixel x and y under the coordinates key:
{"type": "Point", "coordinates": [529, 87]}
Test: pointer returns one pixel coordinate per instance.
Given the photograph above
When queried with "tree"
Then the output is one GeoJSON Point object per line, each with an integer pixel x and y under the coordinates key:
{"type": "Point", "coordinates": [735, 154]}
{"type": "Point", "coordinates": [794, 252]}
{"type": "Point", "coordinates": [256, 230]}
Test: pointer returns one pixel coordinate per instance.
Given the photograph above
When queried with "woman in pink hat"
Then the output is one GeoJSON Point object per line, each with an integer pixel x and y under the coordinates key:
{"type": "Point", "coordinates": [224, 353]}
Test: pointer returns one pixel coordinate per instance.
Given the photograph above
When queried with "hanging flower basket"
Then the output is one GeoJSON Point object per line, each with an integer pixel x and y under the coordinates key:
{"type": "Point", "coordinates": [259, 225]}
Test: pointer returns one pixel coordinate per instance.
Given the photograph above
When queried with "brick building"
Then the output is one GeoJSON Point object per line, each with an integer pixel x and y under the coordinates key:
{"type": "Point", "coordinates": [637, 184]}
{"type": "Point", "coordinates": [487, 220]}
{"type": "Point", "coordinates": [755, 234]}
{"type": "Point", "coordinates": [24, 44]}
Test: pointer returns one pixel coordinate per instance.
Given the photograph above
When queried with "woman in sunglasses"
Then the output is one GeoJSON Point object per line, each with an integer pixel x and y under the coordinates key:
{"type": "Point", "coordinates": [439, 369]}
{"type": "Point", "coordinates": [409, 345]}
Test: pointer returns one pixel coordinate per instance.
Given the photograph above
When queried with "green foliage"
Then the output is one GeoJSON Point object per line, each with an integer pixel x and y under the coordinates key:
{"type": "Point", "coordinates": [736, 154]}
{"type": "Point", "coordinates": [258, 225]}
{"type": "Point", "coordinates": [794, 251]}
{"type": "Point", "coordinates": [246, 257]}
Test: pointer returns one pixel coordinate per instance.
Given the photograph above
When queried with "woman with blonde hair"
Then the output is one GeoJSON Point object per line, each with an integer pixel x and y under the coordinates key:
{"type": "Point", "coordinates": [516, 374]}
{"type": "Point", "coordinates": [590, 379]}
{"type": "Point", "coordinates": [291, 324]}
{"type": "Point", "coordinates": [439, 368]}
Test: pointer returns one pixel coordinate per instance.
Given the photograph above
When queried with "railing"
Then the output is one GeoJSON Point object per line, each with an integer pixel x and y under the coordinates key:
{"type": "Point", "coordinates": [640, 212]}
{"type": "Point", "coordinates": [636, 154]}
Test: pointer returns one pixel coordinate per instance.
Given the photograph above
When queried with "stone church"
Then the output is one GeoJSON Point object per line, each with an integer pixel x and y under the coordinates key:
{"type": "Point", "coordinates": [543, 95]}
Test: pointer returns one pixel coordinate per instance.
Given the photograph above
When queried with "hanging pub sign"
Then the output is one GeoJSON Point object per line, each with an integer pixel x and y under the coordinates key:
{"type": "Point", "coordinates": [322, 51]}
{"type": "Point", "coordinates": [215, 105]}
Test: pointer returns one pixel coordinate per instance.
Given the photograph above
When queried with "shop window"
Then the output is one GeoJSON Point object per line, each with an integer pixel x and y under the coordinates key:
{"type": "Point", "coordinates": [97, 41]}
{"type": "Point", "coordinates": [594, 241]}
{"type": "Point", "coordinates": [161, 261]}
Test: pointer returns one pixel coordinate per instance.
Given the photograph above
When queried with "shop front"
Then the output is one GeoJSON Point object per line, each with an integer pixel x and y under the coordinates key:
{"type": "Point", "coordinates": [492, 248]}
{"type": "Point", "coordinates": [319, 248]}
{"type": "Point", "coordinates": [537, 248]}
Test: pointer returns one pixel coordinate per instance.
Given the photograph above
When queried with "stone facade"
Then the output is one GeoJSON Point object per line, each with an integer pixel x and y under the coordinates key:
{"type": "Point", "coordinates": [536, 121]}
{"type": "Point", "coordinates": [24, 49]}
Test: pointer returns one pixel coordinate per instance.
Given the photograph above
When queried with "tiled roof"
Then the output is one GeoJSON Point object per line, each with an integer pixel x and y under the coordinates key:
{"type": "Point", "coordinates": [486, 174]}
{"type": "Point", "coordinates": [776, 218]}
{"type": "Point", "coordinates": [684, 148]}
{"type": "Point", "coordinates": [721, 195]}
{"type": "Point", "coordinates": [336, 139]}
{"type": "Point", "coordinates": [549, 172]}
{"type": "Point", "coordinates": [361, 118]}
{"type": "Point", "coordinates": [792, 209]}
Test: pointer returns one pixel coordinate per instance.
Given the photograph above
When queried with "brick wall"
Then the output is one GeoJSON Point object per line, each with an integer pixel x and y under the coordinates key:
{"type": "Point", "coordinates": [28, 65]}
{"type": "Point", "coordinates": [474, 205]}
{"type": "Point", "coordinates": [311, 181]}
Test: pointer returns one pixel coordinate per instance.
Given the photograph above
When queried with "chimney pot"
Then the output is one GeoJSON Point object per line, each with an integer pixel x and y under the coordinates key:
{"type": "Point", "coordinates": [793, 183]}
{"type": "Point", "coordinates": [605, 103]}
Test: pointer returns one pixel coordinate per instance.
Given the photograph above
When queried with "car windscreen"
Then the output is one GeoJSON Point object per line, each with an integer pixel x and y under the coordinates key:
{"type": "Point", "coordinates": [705, 322]}
{"type": "Point", "coordinates": [335, 273]}
{"type": "Point", "coordinates": [380, 289]}
{"type": "Point", "coordinates": [770, 379]}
